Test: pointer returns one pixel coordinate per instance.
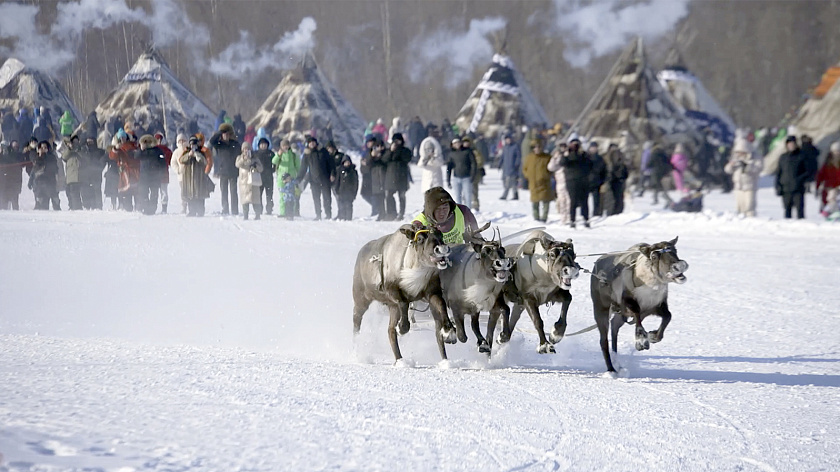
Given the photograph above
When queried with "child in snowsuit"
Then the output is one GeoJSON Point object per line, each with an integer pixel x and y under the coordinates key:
{"type": "Point", "coordinates": [346, 188]}
{"type": "Point", "coordinates": [288, 194]}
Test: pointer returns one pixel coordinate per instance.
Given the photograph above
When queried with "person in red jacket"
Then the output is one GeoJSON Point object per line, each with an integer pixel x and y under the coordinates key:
{"type": "Point", "coordinates": [828, 181]}
{"type": "Point", "coordinates": [164, 183]}
{"type": "Point", "coordinates": [129, 167]}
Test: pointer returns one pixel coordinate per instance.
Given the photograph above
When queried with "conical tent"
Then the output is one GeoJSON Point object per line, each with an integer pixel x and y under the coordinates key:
{"type": "Point", "coordinates": [25, 87]}
{"type": "Point", "coordinates": [819, 118]}
{"type": "Point", "coordinates": [151, 90]}
{"type": "Point", "coordinates": [501, 99]}
{"type": "Point", "coordinates": [700, 107]}
{"type": "Point", "coordinates": [306, 100]}
{"type": "Point", "coordinates": [631, 107]}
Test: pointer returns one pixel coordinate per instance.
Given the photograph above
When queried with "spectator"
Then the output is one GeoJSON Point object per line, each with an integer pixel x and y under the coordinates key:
{"type": "Point", "coordinates": [265, 155]}
{"type": "Point", "coordinates": [563, 201]}
{"type": "Point", "coordinates": [164, 181]}
{"type": "Point", "coordinates": [152, 165]}
{"type": "Point", "coordinates": [319, 168]}
{"type": "Point", "coordinates": [744, 167]}
{"type": "Point", "coordinates": [92, 126]}
{"type": "Point", "coordinates": [466, 143]}
{"type": "Point", "coordinates": [597, 178]}
{"type": "Point", "coordinates": [828, 181]}
{"type": "Point", "coordinates": [112, 176]}
{"type": "Point", "coordinates": [67, 122]}
{"type": "Point", "coordinates": [288, 196]}
{"type": "Point", "coordinates": [250, 181]}
{"type": "Point", "coordinates": [373, 173]}
{"type": "Point", "coordinates": [811, 155]}
{"type": "Point", "coordinates": [195, 184]}
{"type": "Point", "coordinates": [511, 165]}
{"type": "Point", "coordinates": [346, 188]}
{"type": "Point", "coordinates": [226, 149]}
{"type": "Point", "coordinates": [679, 163]}
{"type": "Point", "coordinates": [431, 163]}
{"type": "Point", "coordinates": [462, 164]}
{"type": "Point", "coordinates": [416, 135]}
{"type": "Point", "coordinates": [12, 162]}
{"type": "Point", "coordinates": [90, 174]}
{"type": "Point", "coordinates": [644, 168]}
{"type": "Point", "coordinates": [182, 146]}
{"type": "Point", "coordinates": [539, 180]}
{"type": "Point", "coordinates": [24, 126]}
{"type": "Point", "coordinates": [577, 168]}
{"type": "Point", "coordinates": [286, 163]}
{"type": "Point", "coordinates": [617, 174]}
{"type": "Point", "coordinates": [791, 176]}
{"type": "Point", "coordinates": [396, 128]}
{"type": "Point", "coordinates": [261, 134]}
{"type": "Point", "coordinates": [239, 128]}
{"type": "Point", "coordinates": [397, 176]}
{"type": "Point", "coordinates": [129, 168]}
{"type": "Point", "coordinates": [72, 169]}
{"type": "Point", "coordinates": [42, 179]}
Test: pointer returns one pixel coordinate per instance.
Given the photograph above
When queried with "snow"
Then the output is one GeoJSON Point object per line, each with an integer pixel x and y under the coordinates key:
{"type": "Point", "coordinates": [132, 343]}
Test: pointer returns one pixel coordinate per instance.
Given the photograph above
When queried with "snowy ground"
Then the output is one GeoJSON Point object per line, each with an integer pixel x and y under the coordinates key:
{"type": "Point", "coordinates": [170, 344]}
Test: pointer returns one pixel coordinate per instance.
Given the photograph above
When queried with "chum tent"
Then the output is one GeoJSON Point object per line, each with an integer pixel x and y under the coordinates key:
{"type": "Point", "coordinates": [699, 105]}
{"type": "Point", "coordinates": [150, 90]}
{"type": "Point", "coordinates": [305, 100]}
{"type": "Point", "coordinates": [26, 87]}
{"type": "Point", "coordinates": [819, 118]}
{"type": "Point", "coordinates": [500, 100]}
{"type": "Point", "coordinates": [631, 107]}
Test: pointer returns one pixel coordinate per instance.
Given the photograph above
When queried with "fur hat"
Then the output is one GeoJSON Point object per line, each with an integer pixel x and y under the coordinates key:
{"type": "Point", "coordinates": [148, 140]}
{"type": "Point", "coordinates": [397, 136]}
{"type": "Point", "coordinates": [835, 146]}
{"type": "Point", "coordinates": [181, 138]}
{"type": "Point", "coordinates": [433, 198]}
{"type": "Point", "coordinates": [741, 145]}
{"type": "Point", "coordinates": [245, 146]}
{"type": "Point", "coordinates": [226, 128]}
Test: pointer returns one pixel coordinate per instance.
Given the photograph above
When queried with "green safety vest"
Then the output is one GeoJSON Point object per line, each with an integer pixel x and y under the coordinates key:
{"type": "Point", "coordinates": [454, 235]}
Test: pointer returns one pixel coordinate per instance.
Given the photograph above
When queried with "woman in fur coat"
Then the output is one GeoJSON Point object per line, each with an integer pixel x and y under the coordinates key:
{"type": "Point", "coordinates": [249, 194]}
{"type": "Point", "coordinates": [431, 161]}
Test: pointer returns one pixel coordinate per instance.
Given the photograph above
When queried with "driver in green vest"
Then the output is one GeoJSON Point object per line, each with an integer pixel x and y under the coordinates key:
{"type": "Point", "coordinates": [441, 211]}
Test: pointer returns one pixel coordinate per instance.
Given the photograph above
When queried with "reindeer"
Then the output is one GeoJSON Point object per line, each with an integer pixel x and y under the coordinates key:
{"type": "Point", "coordinates": [400, 268]}
{"type": "Point", "coordinates": [474, 283]}
{"type": "Point", "coordinates": [543, 273]}
{"type": "Point", "coordinates": [634, 284]}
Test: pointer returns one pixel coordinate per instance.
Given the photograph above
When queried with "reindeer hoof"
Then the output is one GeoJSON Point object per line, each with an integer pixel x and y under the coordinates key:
{"type": "Point", "coordinates": [484, 347]}
{"type": "Point", "coordinates": [654, 336]}
{"type": "Point", "coordinates": [546, 349]}
{"type": "Point", "coordinates": [503, 337]}
{"type": "Point", "coordinates": [642, 343]}
{"type": "Point", "coordinates": [448, 336]}
{"type": "Point", "coordinates": [462, 337]}
{"type": "Point", "coordinates": [554, 337]}
{"type": "Point", "coordinates": [403, 328]}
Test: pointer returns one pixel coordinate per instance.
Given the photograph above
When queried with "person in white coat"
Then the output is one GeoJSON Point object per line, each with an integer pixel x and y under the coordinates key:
{"type": "Point", "coordinates": [181, 147]}
{"type": "Point", "coordinates": [745, 166]}
{"type": "Point", "coordinates": [431, 162]}
{"type": "Point", "coordinates": [396, 127]}
{"type": "Point", "coordinates": [564, 202]}
{"type": "Point", "coordinates": [250, 169]}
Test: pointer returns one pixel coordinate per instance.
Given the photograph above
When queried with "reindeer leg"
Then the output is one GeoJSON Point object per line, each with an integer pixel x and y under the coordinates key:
{"type": "Point", "coordinates": [616, 322]}
{"type": "Point", "coordinates": [392, 330]}
{"type": "Point", "coordinates": [483, 345]}
{"type": "Point", "coordinates": [534, 312]}
{"type": "Point", "coordinates": [500, 308]}
{"type": "Point", "coordinates": [560, 326]}
{"type": "Point", "coordinates": [403, 325]}
{"type": "Point", "coordinates": [460, 331]}
{"type": "Point", "coordinates": [444, 333]}
{"type": "Point", "coordinates": [602, 319]}
{"type": "Point", "coordinates": [359, 310]}
{"type": "Point", "coordinates": [514, 318]}
{"type": "Point", "coordinates": [631, 306]}
{"type": "Point", "coordinates": [656, 335]}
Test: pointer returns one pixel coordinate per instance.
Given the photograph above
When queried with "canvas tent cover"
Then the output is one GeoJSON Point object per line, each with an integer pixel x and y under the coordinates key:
{"type": "Point", "coordinates": [698, 103]}
{"type": "Point", "coordinates": [501, 99]}
{"type": "Point", "coordinates": [306, 100]}
{"type": "Point", "coordinates": [150, 89]}
{"type": "Point", "coordinates": [631, 100]}
{"type": "Point", "coordinates": [21, 86]}
{"type": "Point", "coordinates": [819, 118]}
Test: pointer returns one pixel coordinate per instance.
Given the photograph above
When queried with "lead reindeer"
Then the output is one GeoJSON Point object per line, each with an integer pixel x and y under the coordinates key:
{"type": "Point", "coordinates": [400, 268]}
{"type": "Point", "coordinates": [634, 285]}
{"type": "Point", "coordinates": [543, 273]}
{"type": "Point", "coordinates": [474, 284]}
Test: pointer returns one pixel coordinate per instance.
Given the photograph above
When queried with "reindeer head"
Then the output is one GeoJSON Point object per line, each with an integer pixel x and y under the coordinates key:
{"type": "Point", "coordinates": [492, 255]}
{"type": "Point", "coordinates": [664, 262]}
{"type": "Point", "coordinates": [427, 243]}
{"type": "Point", "coordinates": [560, 261]}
